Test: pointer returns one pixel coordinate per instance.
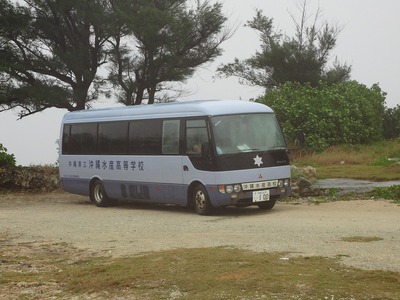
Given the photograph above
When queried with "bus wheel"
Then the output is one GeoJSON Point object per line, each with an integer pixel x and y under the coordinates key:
{"type": "Point", "coordinates": [267, 204]}
{"type": "Point", "coordinates": [201, 202]}
{"type": "Point", "coordinates": [98, 194]}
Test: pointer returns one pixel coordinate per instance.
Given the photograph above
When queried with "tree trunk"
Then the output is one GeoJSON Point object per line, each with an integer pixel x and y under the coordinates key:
{"type": "Point", "coordinates": [80, 96]}
{"type": "Point", "coordinates": [139, 96]}
{"type": "Point", "coordinates": [152, 91]}
{"type": "Point", "coordinates": [129, 98]}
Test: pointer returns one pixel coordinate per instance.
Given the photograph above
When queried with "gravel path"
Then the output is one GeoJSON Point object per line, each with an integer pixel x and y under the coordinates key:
{"type": "Point", "coordinates": [303, 229]}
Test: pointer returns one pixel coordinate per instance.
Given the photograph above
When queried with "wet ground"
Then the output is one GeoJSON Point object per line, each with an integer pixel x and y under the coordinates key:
{"type": "Point", "coordinates": [352, 185]}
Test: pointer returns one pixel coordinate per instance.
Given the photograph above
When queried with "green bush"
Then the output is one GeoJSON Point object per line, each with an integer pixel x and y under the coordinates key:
{"type": "Point", "coordinates": [6, 160]}
{"type": "Point", "coordinates": [391, 122]}
{"type": "Point", "coordinates": [326, 115]}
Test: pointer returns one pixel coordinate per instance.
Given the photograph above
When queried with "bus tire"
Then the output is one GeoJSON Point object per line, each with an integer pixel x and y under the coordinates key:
{"type": "Point", "coordinates": [201, 201]}
{"type": "Point", "coordinates": [98, 194]}
{"type": "Point", "coordinates": [267, 205]}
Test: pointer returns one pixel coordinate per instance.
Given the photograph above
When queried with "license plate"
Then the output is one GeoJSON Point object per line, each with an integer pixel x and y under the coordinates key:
{"type": "Point", "coordinates": [259, 196]}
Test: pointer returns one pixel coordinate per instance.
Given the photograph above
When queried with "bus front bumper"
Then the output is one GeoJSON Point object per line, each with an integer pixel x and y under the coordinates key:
{"type": "Point", "coordinates": [245, 198]}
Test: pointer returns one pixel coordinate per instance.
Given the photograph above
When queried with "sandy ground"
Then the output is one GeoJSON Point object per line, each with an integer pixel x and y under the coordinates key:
{"type": "Point", "coordinates": [302, 229]}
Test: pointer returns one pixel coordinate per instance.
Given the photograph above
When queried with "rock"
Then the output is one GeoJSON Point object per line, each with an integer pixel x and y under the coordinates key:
{"type": "Point", "coordinates": [310, 173]}
{"type": "Point", "coordinates": [303, 183]}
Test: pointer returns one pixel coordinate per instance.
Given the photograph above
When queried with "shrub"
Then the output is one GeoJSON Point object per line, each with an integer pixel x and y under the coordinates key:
{"type": "Point", "coordinates": [34, 178]}
{"type": "Point", "coordinates": [6, 160]}
{"type": "Point", "coordinates": [326, 115]}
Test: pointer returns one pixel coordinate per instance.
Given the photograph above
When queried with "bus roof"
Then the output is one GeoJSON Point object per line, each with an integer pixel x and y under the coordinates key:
{"type": "Point", "coordinates": [167, 110]}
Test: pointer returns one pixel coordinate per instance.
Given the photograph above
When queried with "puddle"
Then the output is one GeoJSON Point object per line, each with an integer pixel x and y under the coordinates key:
{"type": "Point", "coordinates": [352, 185]}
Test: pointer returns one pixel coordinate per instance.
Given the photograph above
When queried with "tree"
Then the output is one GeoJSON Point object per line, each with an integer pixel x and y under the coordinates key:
{"type": "Point", "coordinates": [162, 41]}
{"type": "Point", "coordinates": [302, 58]}
{"type": "Point", "coordinates": [51, 50]}
{"type": "Point", "coordinates": [50, 53]}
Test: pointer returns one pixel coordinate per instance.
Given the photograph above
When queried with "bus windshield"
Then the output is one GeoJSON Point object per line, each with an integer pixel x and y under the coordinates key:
{"type": "Point", "coordinates": [247, 133]}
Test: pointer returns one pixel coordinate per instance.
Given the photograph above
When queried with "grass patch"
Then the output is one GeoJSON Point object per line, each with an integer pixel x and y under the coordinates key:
{"type": "Point", "coordinates": [206, 273]}
{"type": "Point", "coordinates": [385, 161]}
{"type": "Point", "coordinates": [379, 161]}
{"type": "Point", "coordinates": [366, 172]}
{"type": "Point", "coordinates": [361, 239]}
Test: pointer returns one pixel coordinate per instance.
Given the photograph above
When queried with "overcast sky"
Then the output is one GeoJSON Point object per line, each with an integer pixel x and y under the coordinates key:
{"type": "Point", "coordinates": [369, 42]}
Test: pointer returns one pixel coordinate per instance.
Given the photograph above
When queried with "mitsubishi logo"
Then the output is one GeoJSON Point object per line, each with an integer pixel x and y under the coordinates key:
{"type": "Point", "coordinates": [258, 161]}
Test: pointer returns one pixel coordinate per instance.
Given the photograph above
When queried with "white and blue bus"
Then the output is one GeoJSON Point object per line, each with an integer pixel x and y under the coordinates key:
{"type": "Point", "coordinates": [202, 154]}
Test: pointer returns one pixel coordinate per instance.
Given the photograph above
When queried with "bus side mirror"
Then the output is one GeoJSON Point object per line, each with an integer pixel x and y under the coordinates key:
{"type": "Point", "coordinates": [205, 149]}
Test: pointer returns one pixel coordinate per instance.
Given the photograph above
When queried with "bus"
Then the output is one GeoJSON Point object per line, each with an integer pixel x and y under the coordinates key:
{"type": "Point", "coordinates": [203, 154]}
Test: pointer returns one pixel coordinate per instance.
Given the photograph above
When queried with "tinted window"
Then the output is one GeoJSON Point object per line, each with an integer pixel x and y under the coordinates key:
{"type": "Point", "coordinates": [66, 139]}
{"type": "Point", "coordinates": [113, 138]}
{"type": "Point", "coordinates": [83, 138]}
{"type": "Point", "coordinates": [145, 137]}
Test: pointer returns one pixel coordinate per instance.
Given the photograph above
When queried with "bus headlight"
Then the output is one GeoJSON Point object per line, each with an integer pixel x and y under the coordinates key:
{"type": "Point", "coordinates": [229, 189]}
{"type": "Point", "coordinates": [283, 182]}
{"type": "Point", "coordinates": [237, 188]}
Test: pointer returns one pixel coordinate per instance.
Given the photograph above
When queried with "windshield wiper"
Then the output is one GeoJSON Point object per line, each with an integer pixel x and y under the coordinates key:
{"type": "Point", "coordinates": [250, 150]}
{"type": "Point", "coordinates": [277, 148]}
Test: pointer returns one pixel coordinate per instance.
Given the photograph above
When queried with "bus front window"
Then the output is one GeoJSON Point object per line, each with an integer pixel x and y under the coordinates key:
{"type": "Point", "coordinates": [247, 133]}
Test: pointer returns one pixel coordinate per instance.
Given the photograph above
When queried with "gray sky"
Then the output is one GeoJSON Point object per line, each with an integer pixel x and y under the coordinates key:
{"type": "Point", "coordinates": [369, 41]}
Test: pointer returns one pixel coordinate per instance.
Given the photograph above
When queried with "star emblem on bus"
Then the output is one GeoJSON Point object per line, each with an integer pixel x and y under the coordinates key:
{"type": "Point", "coordinates": [258, 161]}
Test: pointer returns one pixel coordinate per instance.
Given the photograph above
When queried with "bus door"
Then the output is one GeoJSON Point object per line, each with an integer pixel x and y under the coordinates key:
{"type": "Point", "coordinates": [196, 149]}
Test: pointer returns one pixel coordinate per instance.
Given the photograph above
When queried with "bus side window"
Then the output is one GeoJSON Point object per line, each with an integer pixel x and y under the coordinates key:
{"type": "Point", "coordinates": [145, 137]}
{"type": "Point", "coordinates": [83, 138]}
{"type": "Point", "coordinates": [170, 137]}
{"type": "Point", "coordinates": [196, 136]}
{"type": "Point", "coordinates": [113, 138]}
{"type": "Point", "coordinates": [66, 140]}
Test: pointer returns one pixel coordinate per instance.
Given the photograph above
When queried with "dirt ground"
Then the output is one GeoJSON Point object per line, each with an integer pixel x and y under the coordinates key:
{"type": "Point", "coordinates": [298, 229]}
